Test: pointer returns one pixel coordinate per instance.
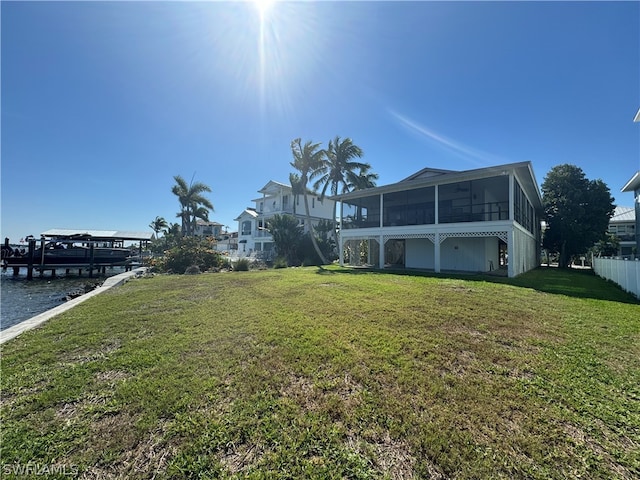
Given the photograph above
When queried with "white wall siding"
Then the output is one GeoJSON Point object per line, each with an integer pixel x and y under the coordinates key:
{"type": "Point", "coordinates": [420, 253]}
{"type": "Point", "coordinates": [625, 273]}
{"type": "Point", "coordinates": [526, 250]}
{"type": "Point", "coordinates": [463, 254]}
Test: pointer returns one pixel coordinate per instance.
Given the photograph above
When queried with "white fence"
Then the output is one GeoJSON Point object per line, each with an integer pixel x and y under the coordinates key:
{"type": "Point", "coordinates": [625, 273]}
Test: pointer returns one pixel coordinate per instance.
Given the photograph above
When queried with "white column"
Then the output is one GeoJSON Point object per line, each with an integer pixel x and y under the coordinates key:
{"type": "Point", "coordinates": [437, 210]}
{"type": "Point", "coordinates": [436, 251]}
{"type": "Point", "coordinates": [511, 258]}
{"type": "Point", "coordinates": [381, 252]}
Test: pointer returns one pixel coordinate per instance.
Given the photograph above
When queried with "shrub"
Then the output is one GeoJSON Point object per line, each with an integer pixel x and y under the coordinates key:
{"type": "Point", "coordinates": [192, 270]}
{"type": "Point", "coordinates": [241, 265]}
{"type": "Point", "coordinates": [280, 262]}
{"type": "Point", "coordinates": [192, 252]}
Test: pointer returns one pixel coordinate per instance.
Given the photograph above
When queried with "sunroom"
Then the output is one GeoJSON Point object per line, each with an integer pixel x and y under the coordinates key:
{"type": "Point", "coordinates": [470, 221]}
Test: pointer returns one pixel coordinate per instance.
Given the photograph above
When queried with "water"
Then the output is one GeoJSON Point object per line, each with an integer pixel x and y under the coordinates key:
{"type": "Point", "coordinates": [21, 299]}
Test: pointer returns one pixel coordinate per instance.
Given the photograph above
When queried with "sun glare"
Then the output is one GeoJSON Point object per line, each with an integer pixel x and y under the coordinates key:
{"type": "Point", "coordinates": [263, 6]}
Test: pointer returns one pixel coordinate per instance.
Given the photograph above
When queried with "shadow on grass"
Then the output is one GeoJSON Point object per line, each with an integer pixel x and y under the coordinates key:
{"type": "Point", "coordinates": [576, 283]}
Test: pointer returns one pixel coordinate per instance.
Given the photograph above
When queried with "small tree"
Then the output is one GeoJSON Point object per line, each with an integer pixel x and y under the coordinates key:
{"type": "Point", "coordinates": [577, 211]}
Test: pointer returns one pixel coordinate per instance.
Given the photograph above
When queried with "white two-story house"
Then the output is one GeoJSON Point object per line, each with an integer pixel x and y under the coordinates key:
{"type": "Point", "coordinates": [478, 220]}
{"type": "Point", "coordinates": [277, 199]}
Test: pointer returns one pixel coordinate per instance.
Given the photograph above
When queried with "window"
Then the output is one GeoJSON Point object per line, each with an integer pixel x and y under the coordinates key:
{"type": "Point", "coordinates": [361, 212]}
{"type": "Point", "coordinates": [481, 200]}
{"type": "Point", "coordinates": [410, 207]}
{"type": "Point", "coordinates": [246, 227]}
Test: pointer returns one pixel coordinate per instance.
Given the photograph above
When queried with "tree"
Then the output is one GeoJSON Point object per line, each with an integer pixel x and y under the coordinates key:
{"type": "Point", "coordinates": [577, 211]}
{"type": "Point", "coordinates": [287, 236]}
{"type": "Point", "coordinates": [192, 203]}
{"type": "Point", "coordinates": [158, 224]}
{"type": "Point", "coordinates": [365, 179]}
{"type": "Point", "coordinates": [338, 170]}
{"type": "Point", "coordinates": [307, 159]}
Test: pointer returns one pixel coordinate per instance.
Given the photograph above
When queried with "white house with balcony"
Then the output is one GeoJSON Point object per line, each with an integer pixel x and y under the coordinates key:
{"type": "Point", "coordinates": [207, 229]}
{"type": "Point", "coordinates": [482, 220]}
{"type": "Point", "coordinates": [277, 199]}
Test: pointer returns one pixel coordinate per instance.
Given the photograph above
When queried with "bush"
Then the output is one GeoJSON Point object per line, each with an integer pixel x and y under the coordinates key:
{"type": "Point", "coordinates": [280, 262]}
{"type": "Point", "coordinates": [241, 265]}
{"type": "Point", "coordinates": [190, 254]}
{"type": "Point", "coordinates": [192, 270]}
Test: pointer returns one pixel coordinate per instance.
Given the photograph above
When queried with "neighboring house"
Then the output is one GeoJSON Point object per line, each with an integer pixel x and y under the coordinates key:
{"type": "Point", "coordinates": [277, 199]}
{"type": "Point", "coordinates": [622, 224]}
{"type": "Point", "coordinates": [633, 185]}
{"type": "Point", "coordinates": [442, 220]}
{"type": "Point", "coordinates": [208, 229]}
{"type": "Point", "coordinates": [227, 242]}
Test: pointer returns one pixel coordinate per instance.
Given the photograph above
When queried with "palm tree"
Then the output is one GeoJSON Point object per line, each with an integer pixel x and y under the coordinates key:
{"type": "Point", "coordinates": [158, 224]}
{"type": "Point", "coordinates": [338, 170]}
{"type": "Point", "coordinates": [307, 159]}
{"type": "Point", "coordinates": [364, 179]}
{"type": "Point", "coordinates": [191, 201]}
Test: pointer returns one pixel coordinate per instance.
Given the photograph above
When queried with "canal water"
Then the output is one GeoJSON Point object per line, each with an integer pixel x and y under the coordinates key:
{"type": "Point", "coordinates": [21, 299]}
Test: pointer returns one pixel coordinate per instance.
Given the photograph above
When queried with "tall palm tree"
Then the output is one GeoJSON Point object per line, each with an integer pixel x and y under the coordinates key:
{"type": "Point", "coordinates": [200, 213]}
{"type": "Point", "coordinates": [191, 200]}
{"type": "Point", "coordinates": [338, 171]}
{"type": "Point", "coordinates": [307, 159]}
{"type": "Point", "coordinates": [364, 179]}
{"type": "Point", "coordinates": [158, 224]}
{"type": "Point", "coordinates": [296, 188]}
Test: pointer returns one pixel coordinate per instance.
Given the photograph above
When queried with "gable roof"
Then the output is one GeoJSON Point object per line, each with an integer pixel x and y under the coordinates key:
{"type": "Point", "coordinates": [633, 184]}
{"type": "Point", "coordinates": [273, 187]}
{"type": "Point", "coordinates": [248, 212]}
{"type": "Point", "coordinates": [426, 173]}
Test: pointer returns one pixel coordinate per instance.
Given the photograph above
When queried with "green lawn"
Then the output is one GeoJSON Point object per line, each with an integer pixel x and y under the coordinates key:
{"type": "Point", "coordinates": [331, 373]}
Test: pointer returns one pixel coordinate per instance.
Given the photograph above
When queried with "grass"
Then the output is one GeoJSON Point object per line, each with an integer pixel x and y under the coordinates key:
{"type": "Point", "coordinates": [332, 373]}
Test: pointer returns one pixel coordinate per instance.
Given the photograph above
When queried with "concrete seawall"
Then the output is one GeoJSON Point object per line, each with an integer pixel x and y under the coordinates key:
{"type": "Point", "coordinates": [33, 322]}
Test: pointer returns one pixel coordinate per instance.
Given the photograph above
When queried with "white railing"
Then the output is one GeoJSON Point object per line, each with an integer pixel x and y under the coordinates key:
{"type": "Point", "coordinates": [625, 273]}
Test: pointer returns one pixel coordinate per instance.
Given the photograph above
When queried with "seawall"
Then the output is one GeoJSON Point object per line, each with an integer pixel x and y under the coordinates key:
{"type": "Point", "coordinates": [33, 322]}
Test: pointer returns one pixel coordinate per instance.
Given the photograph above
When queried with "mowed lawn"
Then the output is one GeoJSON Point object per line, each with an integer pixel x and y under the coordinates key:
{"type": "Point", "coordinates": [331, 373]}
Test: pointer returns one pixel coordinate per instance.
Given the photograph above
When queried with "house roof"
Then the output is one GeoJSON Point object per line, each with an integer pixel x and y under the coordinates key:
{"type": "Point", "coordinates": [248, 212]}
{"type": "Point", "coordinates": [426, 173]}
{"type": "Point", "coordinates": [623, 214]}
{"type": "Point", "coordinates": [633, 184]}
{"type": "Point", "coordinates": [428, 177]}
{"type": "Point", "coordinates": [96, 234]}
{"type": "Point", "coordinates": [203, 223]}
{"type": "Point", "coordinates": [273, 187]}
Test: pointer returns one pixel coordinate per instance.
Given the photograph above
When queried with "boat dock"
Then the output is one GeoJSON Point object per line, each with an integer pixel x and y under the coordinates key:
{"type": "Point", "coordinates": [85, 251]}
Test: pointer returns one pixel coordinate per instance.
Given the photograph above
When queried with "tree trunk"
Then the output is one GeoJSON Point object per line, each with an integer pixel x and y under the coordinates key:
{"type": "Point", "coordinates": [313, 237]}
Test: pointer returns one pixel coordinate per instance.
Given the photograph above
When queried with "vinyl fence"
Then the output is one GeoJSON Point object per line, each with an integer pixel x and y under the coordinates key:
{"type": "Point", "coordinates": [625, 273]}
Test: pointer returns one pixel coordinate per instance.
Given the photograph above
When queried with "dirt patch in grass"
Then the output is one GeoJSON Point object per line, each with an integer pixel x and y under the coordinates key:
{"type": "Point", "coordinates": [391, 456]}
{"type": "Point", "coordinates": [130, 455]}
{"type": "Point", "coordinates": [83, 356]}
{"type": "Point", "coordinates": [240, 458]}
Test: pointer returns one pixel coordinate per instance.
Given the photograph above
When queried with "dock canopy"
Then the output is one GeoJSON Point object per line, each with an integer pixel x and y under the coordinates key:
{"type": "Point", "coordinates": [96, 235]}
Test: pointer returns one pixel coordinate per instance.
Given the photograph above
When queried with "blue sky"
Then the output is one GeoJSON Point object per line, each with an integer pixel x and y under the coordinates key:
{"type": "Point", "coordinates": [103, 103]}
